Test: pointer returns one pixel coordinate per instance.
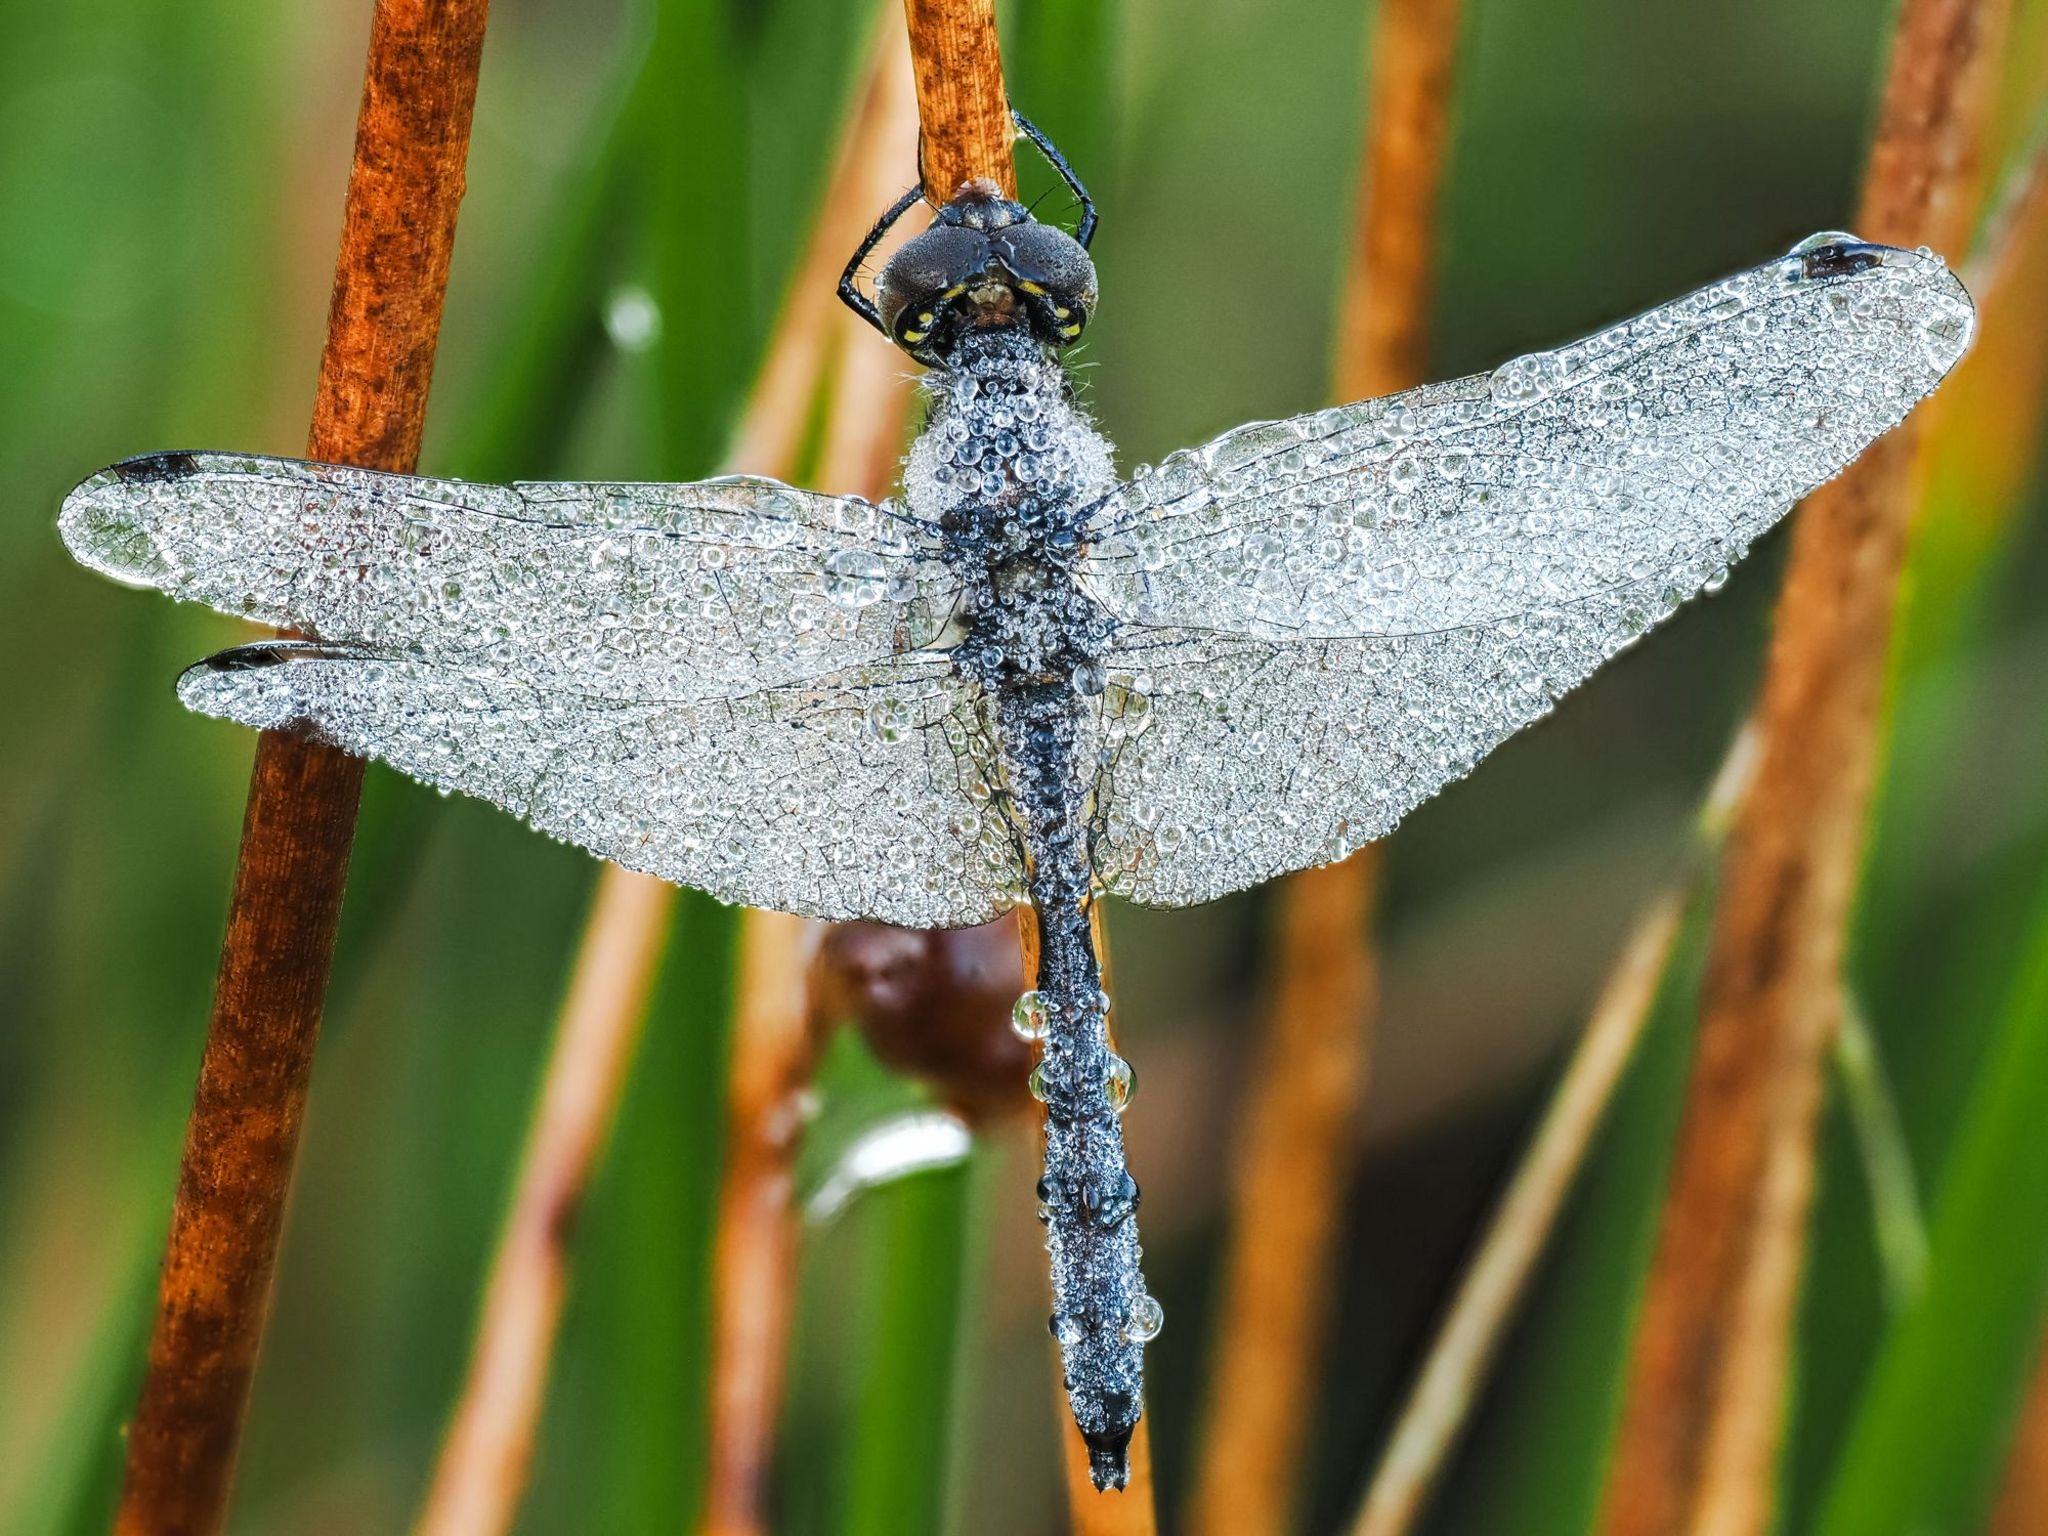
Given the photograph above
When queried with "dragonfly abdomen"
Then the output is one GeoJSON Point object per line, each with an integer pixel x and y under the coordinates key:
{"type": "Point", "coordinates": [1101, 1314]}
{"type": "Point", "coordinates": [1007, 470]}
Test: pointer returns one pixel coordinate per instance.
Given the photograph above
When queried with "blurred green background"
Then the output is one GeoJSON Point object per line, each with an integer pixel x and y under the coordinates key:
{"type": "Point", "coordinates": [170, 186]}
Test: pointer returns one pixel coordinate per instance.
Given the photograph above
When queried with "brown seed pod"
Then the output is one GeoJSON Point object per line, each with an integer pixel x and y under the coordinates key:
{"type": "Point", "coordinates": [934, 1005]}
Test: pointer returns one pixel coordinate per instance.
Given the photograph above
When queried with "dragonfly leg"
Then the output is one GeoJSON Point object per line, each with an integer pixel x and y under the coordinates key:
{"type": "Point", "coordinates": [1085, 232]}
{"type": "Point", "coordinates": [849, 280]}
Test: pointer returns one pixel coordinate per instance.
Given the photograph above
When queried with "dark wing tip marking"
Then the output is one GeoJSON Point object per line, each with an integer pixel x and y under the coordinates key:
{"type": "Point", "coordinates": [206, 686]}
{"type": "Point", "coordinates": [1840, 258]}
{"type": "Point", "coordinates": [106, 529]}
{"type": "Point", "coordinates": [155, 468]}
{"type": "Point", "coordinates": [259, 654]}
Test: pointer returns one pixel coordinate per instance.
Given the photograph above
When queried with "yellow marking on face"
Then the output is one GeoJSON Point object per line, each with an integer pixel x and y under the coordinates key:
{"type": "Point", "coordinates": [1030, 287]}
{"type": "Point", "coordinates": [954, 292]}
{"type": "Point", "coordinates": [925, 318]}
{"type": "Point", "coordinates": [1070, 331]}
{"type": "Point", "coordinates": [914, 337]}
{"type": "Point", "coordinates": [1060, 312]}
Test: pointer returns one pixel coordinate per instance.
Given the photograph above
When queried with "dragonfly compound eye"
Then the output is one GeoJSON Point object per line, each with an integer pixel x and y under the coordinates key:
{"type": "Point", "coordinates": [956, 277]}
{"type": "Point", "coordinates": [1053, 271]}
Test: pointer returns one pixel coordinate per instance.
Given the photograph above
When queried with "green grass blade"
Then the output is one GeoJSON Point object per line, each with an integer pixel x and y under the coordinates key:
{"type": "Point", "coordinates": [917, 1235]}
{"type": "Point", "coordinates": [548, 366]}
{"type": "Point", "coordinates": [1887, 1160]}
{"type": "Point", "coordinates": [1923, 1449]}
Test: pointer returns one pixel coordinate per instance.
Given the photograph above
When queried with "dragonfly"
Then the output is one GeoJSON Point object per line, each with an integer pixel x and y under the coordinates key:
{"type": "Point", "coordinates": [1026, 680]}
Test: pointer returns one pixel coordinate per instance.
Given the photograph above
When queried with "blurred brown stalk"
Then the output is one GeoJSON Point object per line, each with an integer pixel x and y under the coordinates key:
{"type": "Point", "coordinates": [775, 1040]}
{"type": "Point", "coordinates": [2022, 1508]}
{"type": "Point", "coordinates": [485, 1459]}
{"type": "Point", "coordinates": [1452, 1376]}
{"type": "Point", "coordinates": [1699, 1434]}
{"type": "Point", "coordinates": [774, 1052]}
{"type": "Point", "coordinates": [1990, 434]}
{"type": "Point", "coordinates": [1302, 1105]}
{"type": "Point", "coordinates": [398, 231]}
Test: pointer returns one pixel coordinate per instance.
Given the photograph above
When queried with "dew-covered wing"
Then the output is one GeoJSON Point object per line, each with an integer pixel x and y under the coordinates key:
{"type": "Point", "coordinates": [1651, 452]}
{"type": "Point", "coordinates": [697, 589]}
{"type": "Point", "coordinates": [1317, 638]}
{"type": "Point", "coordinates": [863, 793]}
{"type": "Point", "coordinates": [1228, 760]}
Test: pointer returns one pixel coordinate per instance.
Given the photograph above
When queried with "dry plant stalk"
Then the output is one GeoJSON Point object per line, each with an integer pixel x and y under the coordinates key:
{"type": "Point", "coordinates": [1699, 1434]}
{"type": "Point", "coordinates": [1452, 1376]}
{"type": "Point", "coordinates": [486, 1457]}
{"type": "Point", "coordinates": [482, 1471]}
{"type": "Point", "coordinates": [1450, 1380]}
{"type": "Point", "coordinates": [398, 231]}
{"type": "Point", "coordinates": [2022, 1508]}
{"type": "Point", "coordinates": [775, 1043]}
{"type": "Point", "coordinates": [774, 1055]}
{"type": "Point", "coordinates": [1302, 1107]}
{"type": "Point", "coordinates": [962, 105]}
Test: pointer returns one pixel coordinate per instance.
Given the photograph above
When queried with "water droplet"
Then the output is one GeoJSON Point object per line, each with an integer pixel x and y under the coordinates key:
{"type": "Point", "coordinates": [1825, 237]}
{"type": "Point", "coordinates": [1944, 336]}
{"type": "Point", "coordinates": [1031, 1016]}
{"type": "Point", "coordinates": [855, 578]}
{"type": "Point", "coordinates": [1036, 1082]}
{"type": "Point", "coordinates": [1120, 1083]}
{"type": "Point", "coordinates": [1521, 380]}
{"type": "Point", "coordinates": [1145, 1322]}
{"type": "Point", "coordinates": [889, 719]}
{"type": "Point", "coordinates": [632, 319]}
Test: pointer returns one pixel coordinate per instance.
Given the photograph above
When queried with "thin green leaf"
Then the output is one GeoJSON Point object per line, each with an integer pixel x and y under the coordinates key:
{"type": "Point", "coordinates": [1923, 1451]}
{"type": "Point", "coordinates": [1887, 1160]}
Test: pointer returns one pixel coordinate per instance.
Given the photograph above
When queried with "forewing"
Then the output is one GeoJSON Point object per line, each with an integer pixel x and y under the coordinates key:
{"type": "Point", "coordinates": [865, 793]}
{"type": "Point", "coordinates": [1651, 452]}
{"type": "Point", "coordinates": [1326, 620]}
{"type": "Point", "coordinates": [694, 590]}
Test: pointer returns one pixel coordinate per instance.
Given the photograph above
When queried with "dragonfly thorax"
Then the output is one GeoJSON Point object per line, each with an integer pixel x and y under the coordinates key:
{"type": "Point", "coordinates": [1008, 470]}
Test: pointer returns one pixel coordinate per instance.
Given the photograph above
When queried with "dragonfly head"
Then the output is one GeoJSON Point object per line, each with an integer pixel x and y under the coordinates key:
{"type": "Point", "coordinates": [985, 263]}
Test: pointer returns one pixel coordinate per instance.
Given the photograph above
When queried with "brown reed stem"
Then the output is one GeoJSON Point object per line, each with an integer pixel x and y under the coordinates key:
{"type": "Point", "coordinates": [485, 1459]}
{"type": "Point", "coordinates": [1309, 1081]}
{"type": "Point", "coordinates": [1391, 279]}
{"type": "Point", "coordinates": [775, 1042]}
{"type": "Point", "coordinates": [2022, 1508]}
{"type": "Point", "coordinates": [961, 102]}
{"type": "Point", "coordinates": [1449, 1383]}
{"type": "Point", "coordinates": [775, 1053]}
{"type": "Point", "coordinates": [482, 1471]}
{"type": "Point", "coordinates": [1698, 1440]}
{"type": "Point", "coordinates": [398, 231]}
